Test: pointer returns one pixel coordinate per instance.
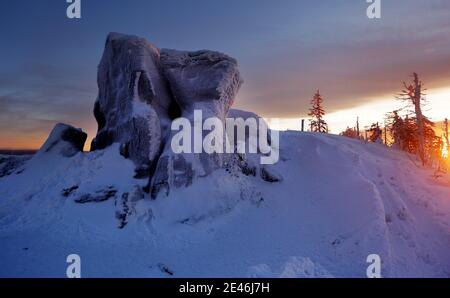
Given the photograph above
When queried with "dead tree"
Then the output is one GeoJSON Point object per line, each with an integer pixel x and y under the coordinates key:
{"type": "Point", "coordinates": [413, 94]}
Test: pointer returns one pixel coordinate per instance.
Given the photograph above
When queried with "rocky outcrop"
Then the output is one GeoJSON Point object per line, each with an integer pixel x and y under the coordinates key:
{"type": "Point", "coordinates": [203, 81]}
{"type": "Point", "coordinates": [65, 140]}
{"type": "Point", "coordinates": [143, 89]}
{"type": "Point", "coordinates": [99, 196]}
{"type": "Point", "coordinates": [134, 101]}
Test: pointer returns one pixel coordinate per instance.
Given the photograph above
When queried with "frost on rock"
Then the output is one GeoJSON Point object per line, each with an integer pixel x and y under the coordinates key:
{"type": "Point", "coordinates": [133, 103]}
{"type": "Point", "coordinates": [142, 90]}
{"type": "Point", "coordinates": [64, 140]}
{"type": "Point", "coordinates": [203, 81]}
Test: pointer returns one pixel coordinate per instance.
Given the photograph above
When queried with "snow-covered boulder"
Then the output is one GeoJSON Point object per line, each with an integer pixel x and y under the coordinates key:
{"type": "Point", "coordinates": [133, 102]}
{"type": "Point", "coordinates": [203, 81]}
{"type": "Point", "coordinates": [64, 140]}
{"type": "Point", "coordinates": [143, 89]}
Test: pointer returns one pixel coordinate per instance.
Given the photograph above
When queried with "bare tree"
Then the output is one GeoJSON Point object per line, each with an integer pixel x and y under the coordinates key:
{"type": "Point", "coordinates": [447, 144]}
{"type": "Point", "coordinates": [413, 94]}
{"type": "Point", "coordinates": [357, 127]}
{"type": "Point", "coordinates": [446, 131]}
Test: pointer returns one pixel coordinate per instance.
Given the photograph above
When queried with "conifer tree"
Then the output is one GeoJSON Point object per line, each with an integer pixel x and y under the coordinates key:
{"type": "Point", "coordinates": [375, 133]}
{"type": "Point", "coordinates": [395, 126]}
{"type": "Point", "coordinates": [350, 133]}
{"type": "Point", "coordinates": [317, 113]}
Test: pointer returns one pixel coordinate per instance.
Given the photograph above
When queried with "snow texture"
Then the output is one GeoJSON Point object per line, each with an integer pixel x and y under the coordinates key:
{"type": "Point", "coordinates": [313, 223]}
{"type": "Point", "coordinates": [10, 164]}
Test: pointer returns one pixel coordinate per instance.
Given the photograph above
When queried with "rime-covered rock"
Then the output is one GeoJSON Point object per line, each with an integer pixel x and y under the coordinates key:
{"type": "Point", "coordinates": [65, 140]}
{"type": "Point", "coordinates": [142, 90]}
{"type": "Point", "coordinates": [134, 101]}
{"type": "Point", "coordinates": [99, 196]}
{"type": "Point", "coordinates": [205, 81]}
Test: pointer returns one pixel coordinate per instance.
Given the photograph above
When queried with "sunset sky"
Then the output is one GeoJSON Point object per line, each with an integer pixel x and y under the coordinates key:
{"type": "Point", "coordinates": [286, 50]}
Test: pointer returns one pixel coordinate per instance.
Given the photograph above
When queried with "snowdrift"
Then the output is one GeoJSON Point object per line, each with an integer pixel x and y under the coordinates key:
{"type": "Point", "coordinates": [339, 200]}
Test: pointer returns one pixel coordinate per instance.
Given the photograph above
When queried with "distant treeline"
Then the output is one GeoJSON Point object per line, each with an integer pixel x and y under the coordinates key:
{"type": "Point", "coordinates": [17, 152]}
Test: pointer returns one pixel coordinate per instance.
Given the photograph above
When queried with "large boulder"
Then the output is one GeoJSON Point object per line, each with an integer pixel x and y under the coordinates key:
{"type": "Point", "coordinates": [203, 81]}
{"type": "Point", "coordinates": [64, 140]}
{"type": "Point", "coordinates": [142, 90]}
{"type": "Point", "coordinates": [134, 102]}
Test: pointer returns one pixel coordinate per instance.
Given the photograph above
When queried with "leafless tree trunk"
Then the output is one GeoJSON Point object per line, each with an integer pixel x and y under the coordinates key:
{"type": "Point", "coordinates": [416, 97]}
{"type": "Point", "coordinates": [446, 135]}
{"type": "Point", "coordinates": [357, 128]}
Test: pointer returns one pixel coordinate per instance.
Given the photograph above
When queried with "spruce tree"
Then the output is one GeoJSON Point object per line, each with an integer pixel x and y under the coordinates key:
{"type": "Point", "coordinates": [317, 113]}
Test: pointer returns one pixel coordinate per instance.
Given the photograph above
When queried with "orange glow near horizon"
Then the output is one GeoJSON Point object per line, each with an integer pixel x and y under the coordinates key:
{"type": "Point", "coordinates": [374, 111]}
{"type": "Point", "coordinates": [438, 109]}
{"type": "Point", "coordinates": [32, 142]}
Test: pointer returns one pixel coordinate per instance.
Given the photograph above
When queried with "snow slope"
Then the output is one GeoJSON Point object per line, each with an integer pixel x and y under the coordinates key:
{"type": "Point", "coordinates": [339, 201]}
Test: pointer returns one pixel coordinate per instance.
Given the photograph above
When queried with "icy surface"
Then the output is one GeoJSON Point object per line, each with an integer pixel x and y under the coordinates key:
{"type": "Point", "coordinates": [133, 101]}
{"type": "Point", "coordinates": [339, 201]}
{"type": "Point", "coordinates": [205, 81]}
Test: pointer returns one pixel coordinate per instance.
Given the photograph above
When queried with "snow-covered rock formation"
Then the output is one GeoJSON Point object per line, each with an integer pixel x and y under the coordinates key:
{"type": "Point", "coordinates": [143, 89]}
{"type": "Point", "coordinates": [133, 103]}
{"type": "Point", "coordinates": [64, 140]}
{"type": "Point", "coordinates": [203, 81]}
